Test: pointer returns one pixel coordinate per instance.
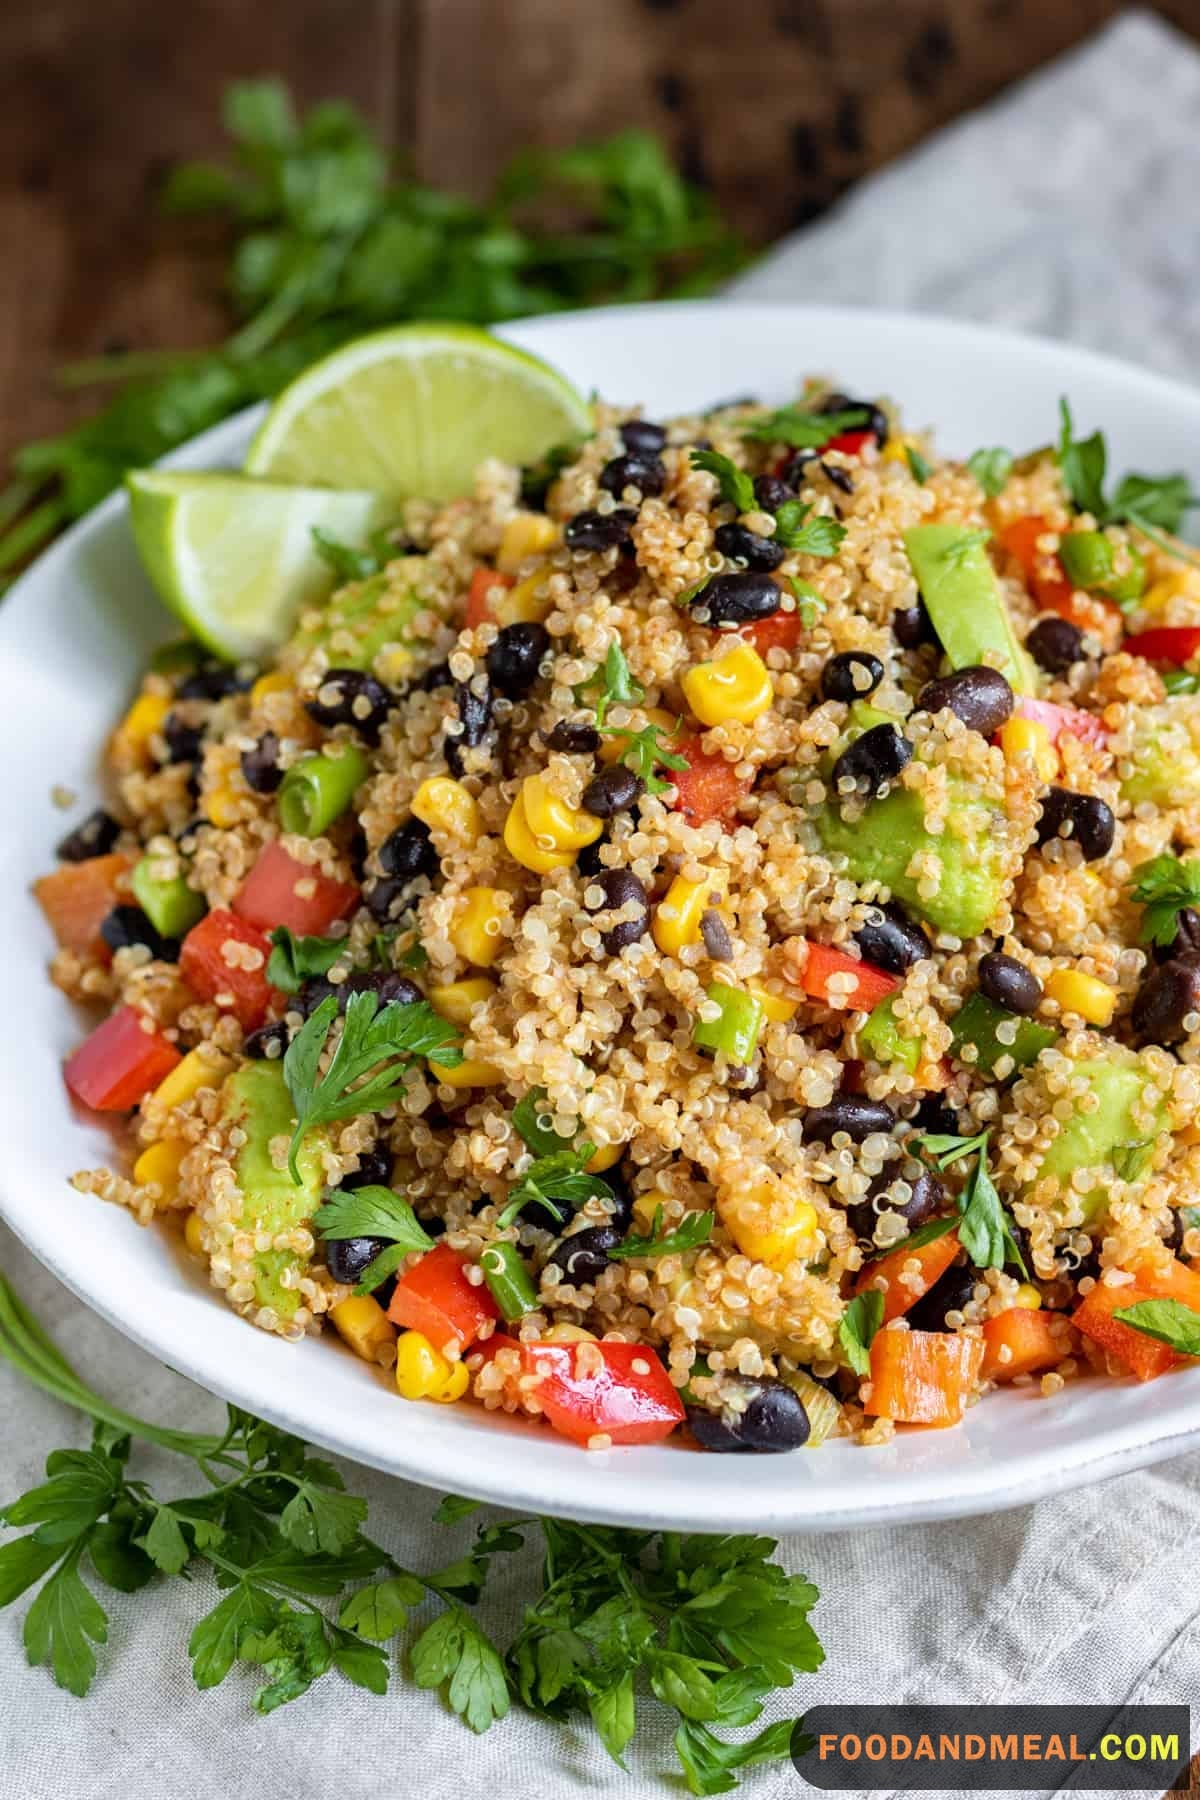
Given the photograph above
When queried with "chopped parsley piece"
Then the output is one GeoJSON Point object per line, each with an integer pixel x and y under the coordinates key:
{"type": "Point", "coordinates": [694, 1229]}
{"type": "Point", "coordinates": [295, 960]}
{"type": "Point", "coordinates": [1164, 886]}
{"type": "Point", "coordinates": [645, 752]}
{"type": "Point", "coordinates": [808, 601]}
{"type": "Point", "coordinates": [1169, 1321]}
{"type": "Point", "coordinates": [857, 1328]}
{"type": "Point", "coordinates": [802, 430]}
{"type": "Point", "coordinates": [918, 467]}
{"type": "Point", "coordinates": [985, 1230]}
{"type": "Point", "coordinates": [736, 487]}
{"type": "Point", "coordinates": [612, 684]}
{"type": "Point", "coordinates": [796, 530]}
{"type": "Point", "coordinates": [349, 564]}
{"type": "Point", "coordinates": [557, 1177]}
{"type": "Point", "coordinates": [991, 469]}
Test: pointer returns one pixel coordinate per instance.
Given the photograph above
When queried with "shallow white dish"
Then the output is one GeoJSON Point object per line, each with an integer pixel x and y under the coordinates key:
{"type": "Point", "coordinates": [74, 635]}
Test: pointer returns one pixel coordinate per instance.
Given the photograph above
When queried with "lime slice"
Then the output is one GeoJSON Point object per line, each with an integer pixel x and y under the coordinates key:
{"type": "Point", "coordinates": [413, 411]}
{"type": "Point", "coordinates": [234, 558]}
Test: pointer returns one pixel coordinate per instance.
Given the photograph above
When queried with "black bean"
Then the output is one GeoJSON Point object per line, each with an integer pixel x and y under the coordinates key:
{"type": "Point", "coordinates": [347, 1258]}
{"type": "Point", "coordinates": [357, 851]}
{"type": "Point", "coordinates": [213, 682]}
{"type": "Point", "coordinates": [613, 790]}
{"type": "Point", "coordinates": [1008, 983]}
{"type": "Point", "coordinates": [711, 1431]}
{"type": "Point", "coordinates": [934, 1115]}
{"type": "Point", "coordinates": [592, 530]}
{"type": "Point", "coordinates": [352, 697]}
{"type": "Point", "coordinates": [772, 493]}
{"type": "Point", "coordinates": [437, 677]}
{"type": "Point", "coordinates": [926, 1198]}
{"type": "Point", "coordinates": [715, 933]}
{"type": "Point", "coordinates": [516, 656]}
{"type": "Point", "coordinates": [851, 675]}
{"type": "Point", "coordinates": [93, 836]}
{"type": "Point", "coordinates": [409, 851]}
{"type": "Point", "coordinates": [912, 626]}
{"type": "Point", "coordinates": [768, 1418]}
{"type": "Point", "coordinates": [876, 420]}
{"type": "Point", "coordinates": [872, 760]}
{"type": "Point", "coordinates": [1055, 644]}
{"type": "Point", "coordinates": [951, 1292]}
{"type": "Point", "coordinates": [261, 767]}
{"type": "Point", "coordinates": [619, 888]}
{"type": "Point", "coordinates": [127, 925]}
{"type": "Point", "coordinates": [854, 1114]}
{"type": "Point", "coordinates": [474, 717]}
{"type": "Point", "coordinates": [741, 545]}
{"type": "Point", "coordinates": [575, 739]}
{"type": "Point", "coordinates": [583, 1256]}
{"type": "Point", "coordinates": [393, 989]}
{"type": "Point", "coordinates": [643, 436]}
{"type": "Point", "coordinates": [1186, 941]}
{"type": "Point", "coordinates": [385, 899]}
{"type": "Point", "coordinates": [374, 1169]}
{"type": "Point", "coordinates": [1168, 995]}
{"type": "Point", "coordinates": [621, 1203]}
{"type": "Point", "coordinates": [1176, 1231]}
{"type": "Point", "coordinates": [183, 741]}
{"type": "Point", "coordinates": [646, 473]}
{"type": "Point", "coordinates": [891, 940]}
{"type": "Point", "coordinates": [841, 478]}
{"type": "Point", "coordinates": [1090, 819]}
{"type": "Point", "coordinates": [978, 695]}
{"type": "Point", "coordinates": [588, 861]}
{"type": "Point", "coordinates": [268, 1041]}
{"type": "Point", "coordinates": [733, 599]}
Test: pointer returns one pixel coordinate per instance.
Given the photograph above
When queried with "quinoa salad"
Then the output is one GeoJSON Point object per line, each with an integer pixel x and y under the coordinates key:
{"type": "Point", "coordinates": [700, 936]}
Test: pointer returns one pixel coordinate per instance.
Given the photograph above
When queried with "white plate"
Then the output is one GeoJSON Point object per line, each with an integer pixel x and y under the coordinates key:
{"type": "Point", "coordinates": [73, 637]}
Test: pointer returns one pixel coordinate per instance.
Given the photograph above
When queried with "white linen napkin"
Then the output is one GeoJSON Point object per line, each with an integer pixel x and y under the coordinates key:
{"type": "Point", "coordinates": [1065, 207]}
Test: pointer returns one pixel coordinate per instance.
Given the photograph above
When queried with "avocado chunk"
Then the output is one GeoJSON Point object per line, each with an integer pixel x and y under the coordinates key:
{"type": "Point", "coordinates": [1165, 759]}
{"type": "Point", "coordinates": [376, 613]}
{"type": "Point", "coordinates": [881, 844]}
{"type": "Point", "coordinates": [1111, 1138]}
{"type": "Point", "coordinates": [963, 599]}
{"type": "Point", "coordinates": [256, 1099]}
{"type": "Point", "coordinates": [883, 1038]}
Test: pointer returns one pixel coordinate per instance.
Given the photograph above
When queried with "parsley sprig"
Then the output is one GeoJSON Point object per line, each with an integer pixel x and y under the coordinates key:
{"type": "Point", "coordinates": [1154, 504]}
{"type": "Point", "coordinates": [991, 469]}
{"type": "Point", "coordinates": [1165, 886]}
{"type": "Point", "coordinates": [373, 1212]}
{"type": "Point", "coordinates": [735, 486]}
{"type": "Point", "coordinates": [857, 1329]}
{"type": "Point", "coordinates": [804, 430]}
{"type": "Point", "coordinates": [1168, 1321]}
{"type": "Point", "coordinates": [694, 1229]}
{"type": "Point", "coordinates": [799, 530]}
{"type": "Point", "coordinates": [710, 1625]}
{"type": "Point", "coordinates": [613, 684]}
{"type": "Point", "coordinates": [985, 1230]}
{"type": "Point", "coordinates": [295, 960]}
{"type": "Point", "coordinates": [645, 752]}
{"type": "Point", "coordinates": [376, 1048]}
{"type": "Point", "coordinates": [556, 1180]}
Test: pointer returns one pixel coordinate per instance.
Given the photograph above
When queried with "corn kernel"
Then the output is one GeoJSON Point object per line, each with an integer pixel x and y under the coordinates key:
{"type": "Point", "coordinates": [273, 682]}
{"type": "Point", "coordinates": [604, 1159]}
{"type": "Point", "coordinates": [364, 1325]}
{"type": "Point", "coordinates": [447, 806]}
{"type": "Point", "coordinates": [777, 1245]}
{"type": "Point", "coordinates": [457, 1000]}
{"type": "Point", "coordinates": [521, 844]}
{"type": "Point", "coordinates": [568, 1334]}
{"type": "Point", "coordinates": [897, 448]}
{"type": "Point", "coordinates": [1028, 1297]}
{"type": "Point", "coordinates": [527, 534]}
{"type": "Point", "coordinates": [1183, 584]}
{"type": "Point", "coordinates": [477, 928]}
{"type": "Point", "coordinates": [775, 1007]}
{"type": "Point", "coordinates": [1024, 740]}
{"type": "Point", "coordinates": [526, 602]}
{"type": "Point", "coordinates": [678, 914]}
{"type": "Point", "coordinates": [554, 824]}
{"type": "Point", "coordinates": [393, 664]}
{"type": "Point", "coordinates": [644, 1208]}
{"type": "Point", "coordinates": [470, 1072]}
{"type": "Point", "coordinates": [193, 1233]}
{"type": "Point", "coordinates": [1075, 992]}
{"type": "Point", "coordinates": [160, 1163]}
{"type": "Point", "coordinates": [736, 687]}
{"type": "Point", "coordinates": [187, 1078]}
{"type": "Point", "coordinates": [423, 1373]}
{"type": "Point", "coordinates": [612, 749]}
{"type": "Point", "coordinates": [131, 740]}
{"type": "Point", "coordinates": [222, 808]}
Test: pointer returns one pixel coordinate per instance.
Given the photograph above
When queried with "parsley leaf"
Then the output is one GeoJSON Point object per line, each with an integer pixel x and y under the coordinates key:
{"type": "Point", "coordinates": [991, 469]}
{"type": "Point", "coordinates": [918, 467]}
{"type": "Point", "coordinates": [1169, 1321]}
{"type": "Point", "coordinates": [349, 564]}
{"type": "Point", "coordinates": [645, 753]}
{"type": "Point", "coordinates": [857, 1328]}
{"type": "Point", "coordinates": [924, 1234]}
{"type": "Point", "coordinates": [802, 430]}
{"type": "Point", "coordinates": [985, 1229]}
{"type": "Point", "coordinates": [374, 1212]}
{"type": "Point", "coordinates": [532, 1124]}
{"type": "Point", "coordinates": [557, 1172]}
{"type": "Point", "coordinates": [1151, 503]}
{"type": "Point", "coordinates": [453, 1507]}
{"type": "Point", "coordinates": [809, 536]}
{"type": "Point", "coordinates": [63, 1623]}
{"type": "Point", "coordinates": [455, 1652]}
{"type": "Point", "coordinates": [1164, 886]}
{"type": "Point", "coordinates": [613, 684]}
{"type": "Point", "coordinates": [366, 1072]}
{"type": "Point", "coordinates": [735, 485]}
{"type": "Point", "coordinates": [809, 603]}
{"type": "Point", "coordinates": [694, 1229]}
{"type": "Point", "coordinates": [294, 960]}
{"type": "Point", "coordinates": [1083, 462]}
{"type": "Point", "coordinates": [379, 1611]}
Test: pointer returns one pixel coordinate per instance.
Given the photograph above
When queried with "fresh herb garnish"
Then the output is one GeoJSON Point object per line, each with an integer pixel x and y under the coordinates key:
{"type": "Point", "coordinates": [366, 1072]}
{"type": "Point", "coordinates": [295, 960]}
{"type": "Point", "coordinates": [985, 1230]}
{"type": "Point", "coordinates": [857, 1329]}
{"type": "Point", "coordinates": [1170, 1321]}
{"type": "Point", "coordinates": [373, 1212]}
{"type": "Point", "coordinates": [736, 487]}
{"type": "Point", "coordinates": [916, 1240]}
{"type": "Point", "coordinates": [709, 1624]}
{"type": "Point", "coordinates": [1130, 1161]}
{"type": "Point", "coordinates": [645, 752]}
{"type": "Point", "coordinates": [347, 563]}
{"type": "Point", "coordinates": [809, 603]}
{"type": "Point", "coordinates": [1164, 886]}
{"type": "Point", "coordinates": [694, 1229]}
{"type": "Point", "coordinates": [1154, 504]}
{"type": "Point", "coordinates": [1181, 681]}
{"type": "Point", "coordinates": [991, 469]}
{"type": "Point", "coordinates": [796, 530]}
{"type": "Point", "coordinates": [538, 478]}
{"type": "Point", "coordinates": [612, 684]}
{"type": "Point", "coordinates": [918, 467]}
{"type": "Point", "coordinates": [802, 430]}
{"type": "Point", "coordinates": [558, 1170]}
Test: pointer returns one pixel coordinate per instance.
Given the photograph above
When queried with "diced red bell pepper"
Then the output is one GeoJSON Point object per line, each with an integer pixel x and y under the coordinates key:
{"type": "Point", "coordinates": [479, 609]}
{"type": "Point", "coordinates": [1143, 1356]}
{"type": "Point", "coordinates": [1174, 644]}
{"type": "Point", "coordinates": [871, 984]}
{"type": "Point", "coordinates": [205, 966]}
{"type": "Point", "coordinates": [782, 631]}
{"type": "Point", "coordinates": [931, 1262]}
{"type": "Point", "coordinates": [78, 897]}
{"type": "Point", "coordinates": [922, 1377]}
{"type": "Point", "coordinates": [435, 1297]}
{"type": "Point", "coordinates": [119, 1063]}
{"type": "Point", "coordinates": [708, 788]}
{"type": "Point", "coordinates": [1021, 1341]}
{"type": "Point", "coordinates": [277, 892]}
{"type": "Point", "coordinates": [1063, 721]}
{"type": "Point", "coordinates": [850, 443]}
{"type": "Point", "coordinates": [620, 1391]}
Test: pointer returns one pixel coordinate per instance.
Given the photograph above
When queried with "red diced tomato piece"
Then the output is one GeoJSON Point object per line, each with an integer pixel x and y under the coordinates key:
{"type": "Point", "coordinates": [209, 971]}
{"type": "Point", "coordinates": [119, 1063]}
{"type": "Point", "coordinates": [782, 631]}
{"type": "Point", "coordinates": [268, 897]}
{"type": "Point", "coordinates": [479, 604]}
{"type": "Point", "coordinates": [620, 1391]}
{"type": "Point", "coordinates": [709, 788]}
{"type": "Point", "coordinates": [1046, 580]}
{"type": "Point", "coordinates": [1175, 644]}
{"type": "Point", "coordinates": [850, 443]}
{"type": "Point", "coordinates": [435, 1297]}
{"type": "Point", "coordinates": [871, 984]}
{"type": "Point", "coordinates": [78, 897]}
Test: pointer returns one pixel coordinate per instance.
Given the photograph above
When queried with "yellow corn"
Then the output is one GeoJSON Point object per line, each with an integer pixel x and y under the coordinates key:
{"type": "Point", "coordinates": [222, 808]}
{"type": "Point", "coordinates": [160, 1163]}
{"type": "Point", "coordinates": [734, 688]}
{"type": "Point", "coordinates": [477, 929]}
{"type": "Point", "coordinates": [362, 1322]}
{"type": "Point", "coordinates": [604, 1159]}
{"type": "Point", "coordinates": [447, 806]}
{"type": "Point", "coordinates": [1028, 1297]}
{"type": "Point", "coordinates": [470, 1072]}
{"type": "Point", "coordinates": [273, 682]}
{"type": "Point", "coordinates": [527, 534]}
{"type": "Point", "coordinates": [777, 1244]}
{"type": "Point", "coordinates": [187, 1078]}
{"type": "Point", "coordinates": [526, 603]}
{"type": "Point", "coordinates": [423, 1373]}
{"type": "Point", "coordinates": [457, 1000]}
{"type": "Point", "coordinates": [553, 823]}
{"type": "Point", "coordinates": [521, 844]}
{"type": "Point", "coordinates": [612, 749]}
{"type": "Point", "coordinates": [678, 914]}
{"type": "Point", "coordinates": [1182, 584]}
{"type": "Point", "coordinates": [775, 1007]}
{"type": "Point", "coordinates": [568, 1334]}
{"type": "Point", "coordinates": [1027, 740]}
{"type": "Point", "coordinates": [193, 1233]}
{"type": "Point", "coordinates": [131, 740]}
{"type": "Point", "coordinates": [644, 1208]}
{"type": "Point", "coordinates": [1075, 992]}
{"type": "Point", "coordinates": [896, 449]}
{"type": "Point", "coordinates": [393, 664]}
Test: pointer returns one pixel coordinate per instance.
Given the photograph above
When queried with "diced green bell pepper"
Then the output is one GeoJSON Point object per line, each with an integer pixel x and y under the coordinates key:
{"type": "Point", "coordinates": [883, 1039]}
{"type": "Point", "coordinates": [977, 1022]}
{"type": "Point", "coordinates": [735, 1033]}
{"type": "Point", "coordinates": [317, 790]}
{"type": "Point", "coordinates": [172, 907]}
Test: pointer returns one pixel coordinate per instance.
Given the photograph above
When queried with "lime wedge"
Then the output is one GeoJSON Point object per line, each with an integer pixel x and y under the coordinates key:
{"type": "Point", "coordinates": [234, 558]}
{"type": "Point", "coordinates": [413, 411]}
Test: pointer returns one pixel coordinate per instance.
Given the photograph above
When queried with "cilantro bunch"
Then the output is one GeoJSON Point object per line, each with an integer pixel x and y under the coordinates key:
{"type": "Point", "coordinates": [1154, 504]}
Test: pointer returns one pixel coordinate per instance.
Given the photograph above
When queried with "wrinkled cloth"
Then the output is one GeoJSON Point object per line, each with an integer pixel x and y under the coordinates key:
{"type": "Point", "coordinates": [1065, 207]}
